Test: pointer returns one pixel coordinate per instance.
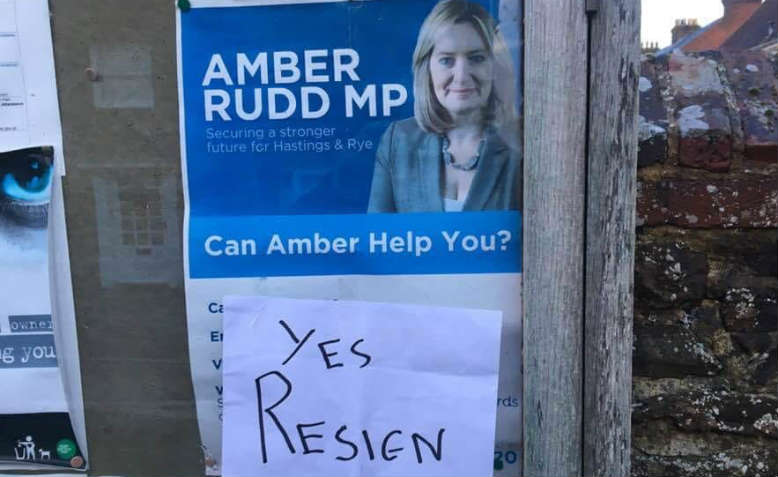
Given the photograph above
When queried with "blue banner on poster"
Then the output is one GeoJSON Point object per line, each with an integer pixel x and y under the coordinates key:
{"type": "Point", "coordinates": [356, 244]}
{"type": "Point", "coordinates": [350, 119]}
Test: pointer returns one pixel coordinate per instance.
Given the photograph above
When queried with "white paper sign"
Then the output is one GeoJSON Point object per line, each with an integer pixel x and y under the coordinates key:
{"type": "Point", "coordinates": [29, 110]}
{"type": "Point", "coordinates": [332, 388]}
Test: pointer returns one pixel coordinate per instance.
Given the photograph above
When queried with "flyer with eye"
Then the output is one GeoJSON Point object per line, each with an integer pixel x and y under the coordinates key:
{"type": "Point", "coordinates": [366, 151]}
{"type": "Point", "coordinates": [35, 423]}
{"type": "Point", "coordinates": [41, 407]}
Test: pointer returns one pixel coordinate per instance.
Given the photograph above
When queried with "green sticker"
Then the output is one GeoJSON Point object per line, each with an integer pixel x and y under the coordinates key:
{"type": "Point", "coordinates": [66, 449]}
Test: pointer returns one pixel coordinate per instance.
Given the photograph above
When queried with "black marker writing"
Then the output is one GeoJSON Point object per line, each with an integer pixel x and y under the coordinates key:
{"type": "Point", "coordinates": [299, 342]}
{"type": "Point", "coordinates": [304, 437]}
{"type": "Point", "coordinates": [436, 453]}
{"type": "Point", "coordinates": [326, 352]}
{"type": "Point", "coordinates": [384, 451]}
{"type": "Point", "coordinates": [365, 356]}
{"type": "Point", "coordinates": [326, 355]}
{"type": "Point", "coordinates": [352, 446]}
{"type": "Point", "coordinates": [269, 411]}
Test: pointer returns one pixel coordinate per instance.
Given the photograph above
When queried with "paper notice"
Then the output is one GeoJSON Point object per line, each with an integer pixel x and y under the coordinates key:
{"type": "Point", "coordinates": [330, 388]}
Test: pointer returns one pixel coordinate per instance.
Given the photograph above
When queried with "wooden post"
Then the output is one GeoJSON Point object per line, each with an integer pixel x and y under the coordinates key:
{"type": "Point", "coordinates": [614, 69]}
{"type": "Point", "coordinates": [579, 209]}
{"type": "Point", "coordinates": [554, 138]}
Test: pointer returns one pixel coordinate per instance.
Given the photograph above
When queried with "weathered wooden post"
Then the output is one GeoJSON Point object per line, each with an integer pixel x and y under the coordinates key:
{"type": "Point", "coordinates": [579, 219]}
{"type": "Point", "coordinates": [614, 69]}
{"type": "Point", "coordinates": [554, 199]}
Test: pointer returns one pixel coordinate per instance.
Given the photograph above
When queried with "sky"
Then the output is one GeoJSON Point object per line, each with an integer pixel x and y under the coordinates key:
{"type": "Point", "coordinates": [658, 17]}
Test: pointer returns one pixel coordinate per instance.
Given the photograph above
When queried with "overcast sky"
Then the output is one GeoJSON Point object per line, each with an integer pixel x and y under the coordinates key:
{"type": "Point", "coordinates": [658, 16]}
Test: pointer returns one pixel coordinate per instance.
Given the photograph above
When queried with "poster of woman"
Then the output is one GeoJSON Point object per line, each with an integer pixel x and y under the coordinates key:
{"type": "Point", "coordinates": [366, 151]}
{"type": "Point", "coordinates": [460, 150]}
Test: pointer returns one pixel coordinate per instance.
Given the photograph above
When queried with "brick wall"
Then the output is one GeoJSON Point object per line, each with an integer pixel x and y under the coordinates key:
{"type": "Point", "coordinates": [705, 365]}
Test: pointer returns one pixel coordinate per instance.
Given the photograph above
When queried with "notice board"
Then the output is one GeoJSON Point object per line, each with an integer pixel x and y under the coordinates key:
{"type": "Point", "coordinates": [117, 62]}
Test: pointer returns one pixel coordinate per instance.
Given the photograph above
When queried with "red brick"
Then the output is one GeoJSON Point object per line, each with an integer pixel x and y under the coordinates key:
{"type": "Point", "coordinates": [702, 114]}
{"type": "Point", "coordinates": [745, 202]}
{"type": "Point", "coordinates": [711, 151]}
{"type": "Point", "coordinates": [753, 83]}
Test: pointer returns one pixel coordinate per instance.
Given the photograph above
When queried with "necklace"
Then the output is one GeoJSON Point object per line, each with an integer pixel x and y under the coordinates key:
{"type": "Point", "coordinates": [468, 165]}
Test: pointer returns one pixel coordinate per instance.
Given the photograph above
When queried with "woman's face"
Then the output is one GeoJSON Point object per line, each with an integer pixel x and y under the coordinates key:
{"type": "Point", "coordinates": [462, 70]}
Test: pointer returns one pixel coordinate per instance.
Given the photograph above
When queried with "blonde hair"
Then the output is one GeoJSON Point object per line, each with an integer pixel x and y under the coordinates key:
{"type": "Point", "coordinates": [500, 110]}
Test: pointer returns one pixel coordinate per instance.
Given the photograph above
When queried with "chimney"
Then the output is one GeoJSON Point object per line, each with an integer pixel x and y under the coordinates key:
{"type": "Point", "coordinates": [685, 27]}
{"type": "Point", "coordinates": [649, 47]}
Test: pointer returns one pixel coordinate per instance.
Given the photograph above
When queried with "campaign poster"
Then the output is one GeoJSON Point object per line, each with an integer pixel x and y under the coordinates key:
{"type": "Point", "coordinates": [366, 151]}
{"type": "Point", "coordinates": [35, 424]}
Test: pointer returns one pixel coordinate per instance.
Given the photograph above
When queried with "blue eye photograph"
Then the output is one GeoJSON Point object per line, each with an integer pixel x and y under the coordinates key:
{"type": "Point", "coordinates": [25, 191]}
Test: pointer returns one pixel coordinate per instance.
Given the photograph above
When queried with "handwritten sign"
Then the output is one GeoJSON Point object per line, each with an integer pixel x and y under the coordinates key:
{"type": "Point", "coordinates": [331, 388]}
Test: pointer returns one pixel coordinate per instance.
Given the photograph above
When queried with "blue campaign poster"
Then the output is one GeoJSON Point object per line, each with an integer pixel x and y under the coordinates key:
{"type": "Point", "coordinates": [351, 149]}
{"type": "Point", "coordinates": [284, 114]}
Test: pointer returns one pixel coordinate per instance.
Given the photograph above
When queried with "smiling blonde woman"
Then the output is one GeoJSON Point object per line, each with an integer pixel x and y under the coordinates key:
{"type": "Point", "coordinates": [460, 151]}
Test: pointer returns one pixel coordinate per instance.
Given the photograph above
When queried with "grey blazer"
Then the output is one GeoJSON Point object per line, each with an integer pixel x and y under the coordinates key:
{"type": "Point", "coordinates": [408, 173]}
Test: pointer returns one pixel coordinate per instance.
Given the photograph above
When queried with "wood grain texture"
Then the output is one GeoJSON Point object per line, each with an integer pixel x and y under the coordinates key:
{"type": "Point", "coordinates": [554, 136]}
{"type": "Point", "coordinates": [610, 236]}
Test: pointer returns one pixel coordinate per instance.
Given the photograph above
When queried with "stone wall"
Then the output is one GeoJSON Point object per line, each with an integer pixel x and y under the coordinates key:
{"type": "Point", "coordinates": [705, 364]}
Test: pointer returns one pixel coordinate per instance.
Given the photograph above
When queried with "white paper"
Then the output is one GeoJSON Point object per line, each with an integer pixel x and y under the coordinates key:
{"type": "Point", "coordinates": [13, 114]}
{"type": "Point", "coordinates": [27, 72]}
{"type": "Point", "coordinates": [428, 372]}
{"type": "Point", "coordinates": [29, 111]}
{"type": "Point", "coordinates": [64, 313]}
{"type": "Point", "coordinates": [204, 314]}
